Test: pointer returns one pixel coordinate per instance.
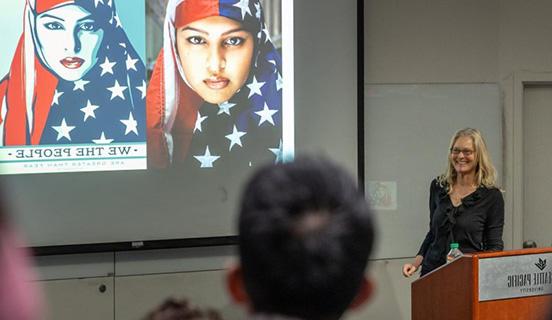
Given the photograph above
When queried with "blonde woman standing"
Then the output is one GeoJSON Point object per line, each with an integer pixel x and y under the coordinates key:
{"type": "Point", "coordinates": [465, 205]}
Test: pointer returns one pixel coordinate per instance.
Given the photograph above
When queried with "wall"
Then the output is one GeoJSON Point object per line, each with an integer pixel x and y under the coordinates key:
{"type": "Point", "coordinates": [449, 43]}
{"type": "Point", "coordinates": [406, 42]}
{"type": "Point", "coordinates": [136, 282]}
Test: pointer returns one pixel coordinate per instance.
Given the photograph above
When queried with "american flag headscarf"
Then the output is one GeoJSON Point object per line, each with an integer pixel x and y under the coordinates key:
{"type": "Point", "coordinates": [106, 105]}
{"type": "Point", "coordinates": [182, 127]}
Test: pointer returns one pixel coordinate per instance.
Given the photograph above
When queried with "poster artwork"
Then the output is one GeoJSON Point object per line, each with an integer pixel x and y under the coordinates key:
{"type": "Point", "coordinates": [73, 98]}
{"type": "Point", "coordinates": [80, 92]}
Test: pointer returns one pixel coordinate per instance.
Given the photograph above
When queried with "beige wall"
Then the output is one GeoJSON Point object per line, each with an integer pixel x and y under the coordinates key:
{"type": "Point", "coordinates": [129, 296]}
{"type": "Point", "coordinates": [431, 41]}
{"type": "Point", "coordinates": [434, 41]}
{"type": "Point", "coordinates": [525, 37]}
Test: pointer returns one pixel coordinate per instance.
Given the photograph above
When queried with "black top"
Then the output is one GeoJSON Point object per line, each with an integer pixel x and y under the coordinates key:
{"type": "Point", "coordinates": [476, 224]}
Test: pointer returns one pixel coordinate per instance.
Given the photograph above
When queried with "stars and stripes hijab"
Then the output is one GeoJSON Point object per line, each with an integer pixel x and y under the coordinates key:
{"type": "Point", "coordinates": [106, 105]}
{"type": "Point", "coordinates": [182, 127]}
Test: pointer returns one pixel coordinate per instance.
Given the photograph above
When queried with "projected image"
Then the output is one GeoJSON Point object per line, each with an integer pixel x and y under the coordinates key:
{"type": "Point", "coordinates": [215, 97]}
{"type": "Point", "coordinates": [73, 98]}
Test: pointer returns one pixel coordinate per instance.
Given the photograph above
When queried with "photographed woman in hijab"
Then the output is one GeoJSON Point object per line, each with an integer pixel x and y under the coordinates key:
{"type": "Point", "coordinates": [215, 96]}
{"type": "Point", "coordinates": [75, 78]}
{"type": "Point", "coordinates": [465, 205]}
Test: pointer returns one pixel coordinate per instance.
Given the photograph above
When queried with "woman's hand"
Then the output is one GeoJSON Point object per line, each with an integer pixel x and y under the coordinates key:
{"type": "Point", "coordinates": [410, 268]}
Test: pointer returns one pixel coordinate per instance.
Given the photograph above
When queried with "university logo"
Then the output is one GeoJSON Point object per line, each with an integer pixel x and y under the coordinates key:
{"type": "Point", "coordinates": [541, 264]}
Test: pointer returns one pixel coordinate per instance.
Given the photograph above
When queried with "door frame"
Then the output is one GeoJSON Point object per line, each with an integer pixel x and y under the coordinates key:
{"type": "Point", "coordinates": [514, 89]}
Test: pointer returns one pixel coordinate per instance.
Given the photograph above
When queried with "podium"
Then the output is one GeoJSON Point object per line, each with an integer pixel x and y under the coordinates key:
{"type": "Point", "coordinates": [514, 284]}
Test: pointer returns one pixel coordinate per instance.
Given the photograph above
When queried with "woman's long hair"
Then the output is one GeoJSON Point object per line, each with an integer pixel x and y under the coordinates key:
{"type": "Point", "coordinates": [485, 172]}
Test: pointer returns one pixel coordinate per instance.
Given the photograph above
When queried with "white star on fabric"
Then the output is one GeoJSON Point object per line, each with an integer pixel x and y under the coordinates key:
{"type": "Point", "coordinates": [279, 82]}
{"type": "Point", "coordinates": [131, 124]}
{"type": "Point", "coordinates": [118, 22]}
{"type": "Point", "coordinates": [131, 63]}
{"type": "Point", "coordinates": [225, 107]}
{"type": "Point", "coordinates": [102, 139]}
{"type": "Point", "coordinates": [278, 152]}
{"type": "Point", "coordinates": [244, 6]}
{"type": "Point", "coordinates": [142, 89]}
{"type": "Point", "coordinates": [235, 137]}
{"type": "Point", "coordinates": [122, 44]}
{"type": "Point", "coordinates": [79, 85]}
{"type": "Point", "coordinates": [255, 87]}
{"type": "Point", "coordinates": [199, 120]}
{"type": "Point", "coordinates": [98, 1]}
{"type": "Point", "coordinates": [273, 62]}
{"type": "Point", "coordinates": [117, 90]}
{"type": "Point", "coordinates": [266, 115]}
{"type": "Point", "coordinates": [57, 94]}
{"type": "Point", "coordinates": [89, 110]}
{"type": "Point", "coordinates": [109, 3]}
{"type": "Point", "coordinates": [206, 159]}
{"type": "Point", "coordinates": [258, 10]}
{"type": "Point", "coordinates": [265, 30]}
{"type": "Point", "coordinates": [107, 66]}
{"type": "Point", "coordinates": [63, 130]}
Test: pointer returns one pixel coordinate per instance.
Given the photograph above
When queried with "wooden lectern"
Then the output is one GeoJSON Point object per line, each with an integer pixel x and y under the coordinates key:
{"type": "Point", "coordinates": [513, 284]}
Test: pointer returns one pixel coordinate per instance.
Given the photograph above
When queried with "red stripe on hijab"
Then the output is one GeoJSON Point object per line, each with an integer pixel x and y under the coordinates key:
{"type": "Point", "coordinates": [45, 5]}
{"type": "Point", "coordinates": [193, 10]}
{"type": "Point", "coordinates": [16, 117]}
{"type": "Point", "coordinates": [45, 87]}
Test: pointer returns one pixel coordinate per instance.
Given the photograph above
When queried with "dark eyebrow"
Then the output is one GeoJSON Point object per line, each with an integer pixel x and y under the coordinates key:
{"type": "Point", "coordinates": [205, 32]}
{"type": "Point", "coordinates": [88, 17]}
{"type": "Point", "coordinates": [51, 16]}
{"type": "Point", "coordinates": [233, 30]}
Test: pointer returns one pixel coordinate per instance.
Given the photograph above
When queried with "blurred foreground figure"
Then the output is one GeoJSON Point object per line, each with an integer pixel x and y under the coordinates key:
{"type": "Point", "coordinates": [19, 299]}
{"type": "Point", "coordinates": [305, 236]}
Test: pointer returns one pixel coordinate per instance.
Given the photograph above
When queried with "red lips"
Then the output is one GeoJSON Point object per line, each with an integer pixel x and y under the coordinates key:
{"type": "Point", "coordinates": [72, 62]}
{"type": "Point", "coordinates": [217, 82]}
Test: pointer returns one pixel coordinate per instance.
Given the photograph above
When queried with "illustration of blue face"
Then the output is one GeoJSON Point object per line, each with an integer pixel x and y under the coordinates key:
{"type": "Point", "coordinates": [69, 39]}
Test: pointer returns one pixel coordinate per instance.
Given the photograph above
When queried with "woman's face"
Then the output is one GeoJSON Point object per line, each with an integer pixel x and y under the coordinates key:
{"type": "Point", "coordinates": [462, 156]}
{"type": "Point", "coordinates": [215, 54]}
{"type": "Point", "coordinates": [69, 39]}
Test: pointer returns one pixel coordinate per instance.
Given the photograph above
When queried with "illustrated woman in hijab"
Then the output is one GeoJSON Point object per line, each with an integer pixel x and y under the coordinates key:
{"type": "Point", "coordinates": [75, 78]}
{"type": "Point", "coordinates": [215, 96]}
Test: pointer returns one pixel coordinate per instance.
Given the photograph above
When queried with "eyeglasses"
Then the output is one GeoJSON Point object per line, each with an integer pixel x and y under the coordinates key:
{"type": "Point", "coordinates": [465, 152]}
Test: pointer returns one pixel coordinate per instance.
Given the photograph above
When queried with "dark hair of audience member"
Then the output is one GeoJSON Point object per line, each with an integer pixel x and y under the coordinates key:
{"type": "Point", "coordinates": [181, 309]}
{"type": "Point", "coordinates": [305, 235]}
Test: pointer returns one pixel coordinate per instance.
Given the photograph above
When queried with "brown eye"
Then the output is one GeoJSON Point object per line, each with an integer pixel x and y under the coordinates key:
{"type": "Point", "coordinates": [195, 40]}
{"type": "Point", "coordinates": [234, 41]}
